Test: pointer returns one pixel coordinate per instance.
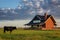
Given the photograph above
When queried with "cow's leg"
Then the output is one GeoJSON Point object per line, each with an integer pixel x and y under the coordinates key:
{"type": "Point", "coordinates": [10, 31]}
{"type": "Point", "coordinates": [4, 31]}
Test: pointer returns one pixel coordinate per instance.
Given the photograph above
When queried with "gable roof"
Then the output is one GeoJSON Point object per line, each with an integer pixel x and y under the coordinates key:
{"type": "Point", "coordinates": [41, 18]}
{"type": "Point", "coordinates": [53, 20]}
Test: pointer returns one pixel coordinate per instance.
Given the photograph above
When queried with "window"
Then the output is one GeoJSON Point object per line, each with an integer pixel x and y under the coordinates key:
{"type": "Point", "coordinates": [36, 21]}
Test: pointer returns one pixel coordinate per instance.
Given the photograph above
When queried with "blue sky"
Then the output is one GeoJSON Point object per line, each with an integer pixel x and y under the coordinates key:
{"type": "Point", "coordinates": [26, 10]}
{"type": "Point", "coordinates": [9, 3]}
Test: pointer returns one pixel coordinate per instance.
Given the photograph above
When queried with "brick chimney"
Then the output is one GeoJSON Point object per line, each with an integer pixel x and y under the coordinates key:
{"type": "Point", "coordinates": [45, 15]}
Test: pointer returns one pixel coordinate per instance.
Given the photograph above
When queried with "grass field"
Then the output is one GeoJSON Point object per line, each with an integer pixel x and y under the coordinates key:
{"type": "Point", "coordinates": [30, 35]}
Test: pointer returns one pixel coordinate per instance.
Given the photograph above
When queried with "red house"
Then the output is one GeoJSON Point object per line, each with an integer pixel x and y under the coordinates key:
{"type": "Point", "coordinates": [43, 22]}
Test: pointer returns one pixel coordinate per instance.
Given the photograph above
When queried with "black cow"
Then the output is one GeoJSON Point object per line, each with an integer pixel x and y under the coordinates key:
{"type": "Point", "coordinates": [9, 28]}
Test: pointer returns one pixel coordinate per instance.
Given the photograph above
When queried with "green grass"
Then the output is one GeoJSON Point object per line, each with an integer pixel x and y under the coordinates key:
{"type": "Point", "coordinates": [30, 35]}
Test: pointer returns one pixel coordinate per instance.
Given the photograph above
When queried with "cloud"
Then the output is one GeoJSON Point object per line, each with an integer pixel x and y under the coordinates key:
{"type": "Point", "coordinates": [37, 4]}
{"type": "Point", "coordinates": [54, 0]}
{"type": "Point", "coordinates": [27, 9]}
{"type": "Point", "coordinates": [58, 5]}
{"type": "Point", "coordinates": [24, 0]}
{"type": "Point", "coordinates": [41, 0]}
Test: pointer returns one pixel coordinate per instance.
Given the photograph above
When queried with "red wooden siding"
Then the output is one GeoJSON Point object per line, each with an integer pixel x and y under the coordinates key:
{"type": "Point", "coordinates": [49, 24]}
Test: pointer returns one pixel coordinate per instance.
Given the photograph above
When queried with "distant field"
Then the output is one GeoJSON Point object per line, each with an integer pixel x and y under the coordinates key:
{"type": "Point", "coordinates": [30, 35]}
